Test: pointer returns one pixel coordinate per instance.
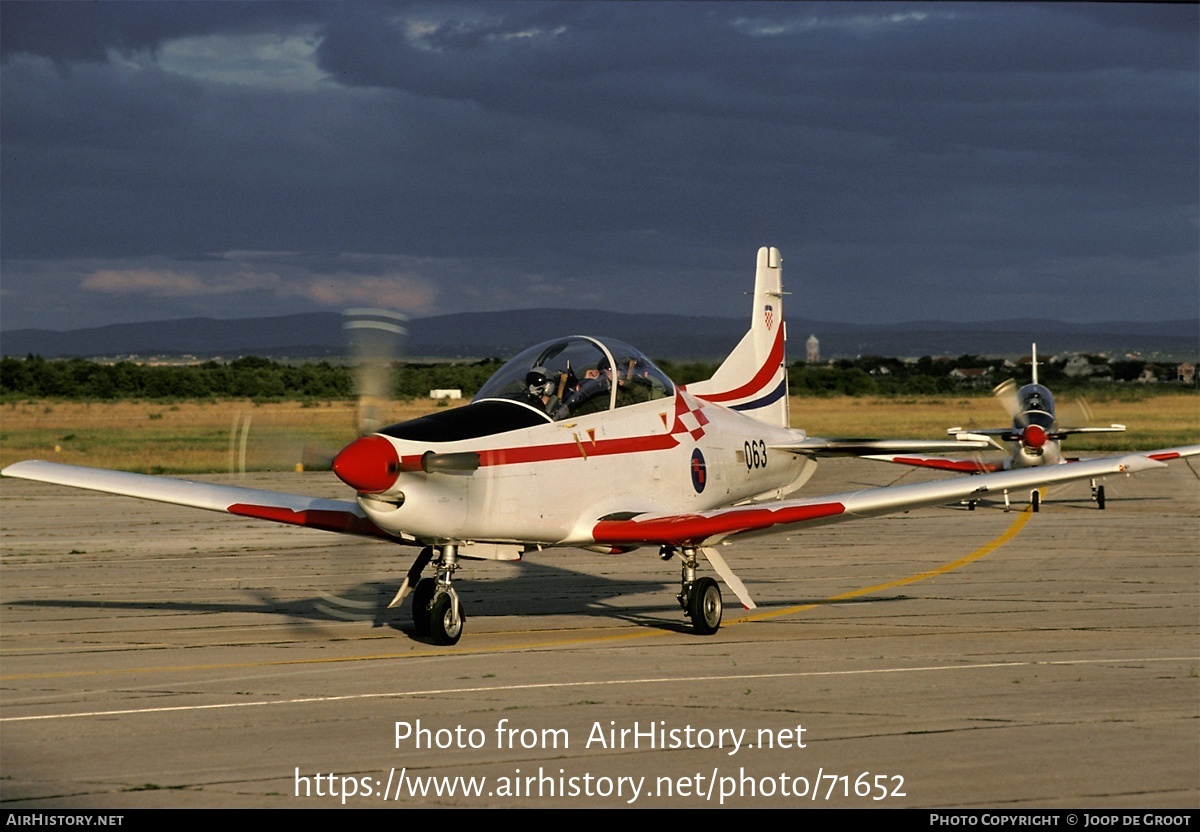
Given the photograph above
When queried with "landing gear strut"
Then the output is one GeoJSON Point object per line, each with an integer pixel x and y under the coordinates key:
{"type": "Point", "coordinates": [437, 613]}
{"type": "Point", "coordinates": [699, 597]}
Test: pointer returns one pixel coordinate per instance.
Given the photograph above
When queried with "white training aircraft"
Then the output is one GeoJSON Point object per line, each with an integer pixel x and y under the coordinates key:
{"type": "Point", "coordinates": [1033, 440]}
{"type": "Point", "coordinates": [585, 442]}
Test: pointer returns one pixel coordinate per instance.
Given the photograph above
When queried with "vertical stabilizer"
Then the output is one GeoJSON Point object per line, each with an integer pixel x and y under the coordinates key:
{"type": "Point", "coordinates": [1033, 363]}
{"type": "Point", "coordinates": [753, 379]}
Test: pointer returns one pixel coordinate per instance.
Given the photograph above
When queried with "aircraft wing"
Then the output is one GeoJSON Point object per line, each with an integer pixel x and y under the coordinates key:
{"type": "Point", "coordinates": [710, 527]}
{"type": "Point", "coordinates": [818, 447]}
{"type": "Point", "coordinates": [293, 509]}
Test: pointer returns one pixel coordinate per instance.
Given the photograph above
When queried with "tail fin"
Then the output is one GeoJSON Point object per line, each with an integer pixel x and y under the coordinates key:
{"type": "Point", "coordinates": [753, 379]}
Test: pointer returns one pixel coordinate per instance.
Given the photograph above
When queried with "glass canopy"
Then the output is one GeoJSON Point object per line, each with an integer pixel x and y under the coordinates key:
{"type": "Point", "coordinates": [578, 375]}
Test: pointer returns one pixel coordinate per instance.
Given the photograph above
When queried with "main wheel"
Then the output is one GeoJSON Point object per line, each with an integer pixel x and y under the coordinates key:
{"type": "Point", "coordinates": [1100, 497]}
{"type": "Point", "coordinates": [1035, 499]}
{"type": "Point", "coordinates": [704, 606]}
{"type": "Point", "coordinates": [443, 627]}
{"type": "Point", "coordinates": [421, 598]}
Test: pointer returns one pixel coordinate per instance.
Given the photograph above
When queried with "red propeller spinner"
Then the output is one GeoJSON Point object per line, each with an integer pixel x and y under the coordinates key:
{"type": "Point", "coordinates": [369, 464]}
{"type": "Point", "coordinates": [1033, 436]}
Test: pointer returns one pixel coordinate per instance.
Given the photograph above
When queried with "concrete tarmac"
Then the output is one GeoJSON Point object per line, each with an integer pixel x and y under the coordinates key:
{"type": "Point", "coordinates": [156, 656]}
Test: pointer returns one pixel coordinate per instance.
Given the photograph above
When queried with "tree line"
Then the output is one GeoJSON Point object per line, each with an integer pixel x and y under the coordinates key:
{"type": "Point", "coordinates": [248, 377]}
{"type": "Point", "coordinates": [263, 379]}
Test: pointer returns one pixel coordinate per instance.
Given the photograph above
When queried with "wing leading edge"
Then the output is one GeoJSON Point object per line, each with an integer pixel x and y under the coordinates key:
{"type": "Point", "coordinates": [710, 527]}
{"type": "Point", "coordinates": [292, 509]}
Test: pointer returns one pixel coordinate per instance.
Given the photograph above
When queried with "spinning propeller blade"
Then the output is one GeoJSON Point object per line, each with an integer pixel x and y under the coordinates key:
{"type": "Point", "coordinates": [1006, 393]}
{"type": "Point", "coordinates": [375, 338]}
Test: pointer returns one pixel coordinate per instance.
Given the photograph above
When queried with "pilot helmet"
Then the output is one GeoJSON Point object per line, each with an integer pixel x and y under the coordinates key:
{"type": "Point", "coordinates": [538, 383]}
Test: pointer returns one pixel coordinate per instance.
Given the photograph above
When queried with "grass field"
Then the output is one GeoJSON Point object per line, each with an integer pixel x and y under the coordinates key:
{"type": "Point", "coordinates": [208, 437]}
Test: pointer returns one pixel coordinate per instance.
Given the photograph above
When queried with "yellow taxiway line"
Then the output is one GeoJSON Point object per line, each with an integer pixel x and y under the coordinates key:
{"type": "Point", "coordinates": [985, 549]}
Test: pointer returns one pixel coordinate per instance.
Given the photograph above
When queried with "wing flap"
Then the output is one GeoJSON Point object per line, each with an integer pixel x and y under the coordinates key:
{"type": "Point", "coordinates": [293, 509]}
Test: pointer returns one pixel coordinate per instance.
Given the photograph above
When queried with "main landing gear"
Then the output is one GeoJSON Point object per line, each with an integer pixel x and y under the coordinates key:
{"type": "Point", "coordinates": [699, 597]}
{"type": "Point", "coordinates": [1035, 500]}
{"type": "Point", "coordinates": [438, 615]}
{"type": "Point", "coordinates": [437, 612]}
{"type": "Point", "coordinates": [1098, 495]}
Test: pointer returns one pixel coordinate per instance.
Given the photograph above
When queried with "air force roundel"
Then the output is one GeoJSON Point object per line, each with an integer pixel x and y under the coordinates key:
{"type": "Point", "coordinates": [699, 472]}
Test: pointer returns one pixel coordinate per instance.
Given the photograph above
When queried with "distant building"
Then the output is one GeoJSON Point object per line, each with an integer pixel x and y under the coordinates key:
{"type": "Point", "coordinates": [814, 349]}
{"type": "Point", "coordinates": [1186, 373]}
{"type": "Point", "coordinates": [973, 374]}
{"type": "Point", "coordinates": [445, 394]}
{"type": "Point", "coordinates": [1078, 365]}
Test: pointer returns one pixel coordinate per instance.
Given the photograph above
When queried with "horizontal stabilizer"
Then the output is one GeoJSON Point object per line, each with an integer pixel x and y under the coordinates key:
{"type": "Point", "coordinates": [1061, 432]}
{"type": "Point", "coordinates": [815, 446]}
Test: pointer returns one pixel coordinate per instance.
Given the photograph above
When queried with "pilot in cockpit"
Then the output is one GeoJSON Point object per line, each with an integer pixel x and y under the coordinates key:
{"type": "Point", "coordinates": [540, 390]}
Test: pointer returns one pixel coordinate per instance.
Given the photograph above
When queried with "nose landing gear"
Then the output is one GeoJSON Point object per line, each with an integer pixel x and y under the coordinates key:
{"type": "Point", "coordinates": [437, 612]}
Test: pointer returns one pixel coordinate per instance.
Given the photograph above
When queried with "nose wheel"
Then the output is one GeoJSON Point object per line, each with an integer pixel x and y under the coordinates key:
{"type": "Point", "coordinates": [437, 613]}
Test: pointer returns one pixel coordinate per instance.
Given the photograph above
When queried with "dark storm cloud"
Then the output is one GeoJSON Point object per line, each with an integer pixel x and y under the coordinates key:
{"type": "Point", "coordinates": [911, 160]}
{"type": "Point", "coordinates": [69, 31]}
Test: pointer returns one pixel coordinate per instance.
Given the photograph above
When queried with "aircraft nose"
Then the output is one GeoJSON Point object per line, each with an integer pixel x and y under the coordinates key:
{"type": "Point", "coordinates": [369, 464]}
{"type": "Point", "coordinates": [1034, 436]}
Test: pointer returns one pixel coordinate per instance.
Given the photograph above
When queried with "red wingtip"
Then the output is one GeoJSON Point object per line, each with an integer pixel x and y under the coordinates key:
{"type": "Point", "coordinates": [369, 464]}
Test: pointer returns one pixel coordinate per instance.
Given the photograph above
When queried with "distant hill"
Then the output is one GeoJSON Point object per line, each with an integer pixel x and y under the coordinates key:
{"type": "Point", "coordinates": [676, 337]}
